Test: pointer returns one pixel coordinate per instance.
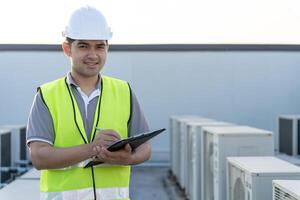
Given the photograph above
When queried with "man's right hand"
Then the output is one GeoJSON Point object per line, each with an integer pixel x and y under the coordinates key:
{"type": "Point", "coordinates": [107, 137]}
{"type": "Point", "coordinates": [103, 139]}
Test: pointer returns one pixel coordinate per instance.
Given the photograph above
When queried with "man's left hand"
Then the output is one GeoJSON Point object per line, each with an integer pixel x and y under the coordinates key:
{"type": "Point", "coordinates": [121, 157]}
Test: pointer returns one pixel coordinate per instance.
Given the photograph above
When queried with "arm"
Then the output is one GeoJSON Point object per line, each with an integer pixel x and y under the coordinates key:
{"type": "Point", "coordinates": [45, 156]}
{"type": "Point", "coordinates": [138, 124]}
{"type": "Point", "coordinates": [142, 153]}
{"type": "Point", "coordinates": [40, 139]}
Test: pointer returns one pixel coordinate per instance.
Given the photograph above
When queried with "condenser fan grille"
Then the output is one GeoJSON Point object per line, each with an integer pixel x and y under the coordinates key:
{"type": "Point", "coordinates": [279, 194]}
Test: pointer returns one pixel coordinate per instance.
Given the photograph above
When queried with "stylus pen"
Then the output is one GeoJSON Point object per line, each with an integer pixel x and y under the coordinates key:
{"type": "Point", "coordinates": [101, 129]}
{"type": "Point", "coordinates": [98, 129]}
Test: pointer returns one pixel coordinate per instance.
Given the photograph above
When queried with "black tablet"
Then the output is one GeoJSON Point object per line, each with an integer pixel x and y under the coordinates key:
{"type": "Point", "coordinates": [133, 141]}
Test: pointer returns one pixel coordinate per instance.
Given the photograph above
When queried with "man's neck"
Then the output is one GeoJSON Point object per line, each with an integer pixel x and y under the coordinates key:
{"type": "Point", "coordinates": [86, 84]}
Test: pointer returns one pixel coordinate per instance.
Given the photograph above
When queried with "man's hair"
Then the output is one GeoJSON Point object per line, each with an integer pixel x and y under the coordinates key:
{"type": "Point", "coordinates": [69, 40]}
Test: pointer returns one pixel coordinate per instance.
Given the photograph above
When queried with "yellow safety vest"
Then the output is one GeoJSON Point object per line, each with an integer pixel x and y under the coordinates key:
{"type": "Point", "coordinates": [112, 112]}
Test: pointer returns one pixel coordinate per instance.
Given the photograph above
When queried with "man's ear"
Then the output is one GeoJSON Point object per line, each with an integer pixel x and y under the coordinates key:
{"type": "Point", "coordinates": [107, 45]}
{"type": "Point", "coordinates": [66, 48]}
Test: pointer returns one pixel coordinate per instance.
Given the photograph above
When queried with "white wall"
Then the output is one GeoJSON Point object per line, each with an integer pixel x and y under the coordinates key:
{"type": "Point", "coordinates": [249, 88]}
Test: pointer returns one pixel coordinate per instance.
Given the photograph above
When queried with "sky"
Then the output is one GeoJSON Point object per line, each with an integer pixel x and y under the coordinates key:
{"type": "Point", "coordinates": [158, 21]}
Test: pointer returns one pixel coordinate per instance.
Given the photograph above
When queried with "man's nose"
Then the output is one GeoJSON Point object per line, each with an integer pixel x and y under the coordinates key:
{"type": "Point", "coordinates": [92, 53]}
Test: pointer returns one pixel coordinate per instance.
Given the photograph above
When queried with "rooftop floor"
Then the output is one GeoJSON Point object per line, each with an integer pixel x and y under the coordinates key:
{"type": "Point", "coordinates": [147, 183]}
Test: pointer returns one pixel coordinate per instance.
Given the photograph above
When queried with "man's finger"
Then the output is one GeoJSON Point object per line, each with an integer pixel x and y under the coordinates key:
{"type": "Point", "coordinates": [96, 149]}
{"type": "Point", "coordinates": [102, 154]}
{"type": "Point", "coordinates": [106, 134]}
{"type": "Point", "coordinates": [128, 148]}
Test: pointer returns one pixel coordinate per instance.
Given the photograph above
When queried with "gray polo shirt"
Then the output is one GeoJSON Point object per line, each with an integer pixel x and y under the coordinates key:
{"type": "Point", "coordinates": [40, 124]}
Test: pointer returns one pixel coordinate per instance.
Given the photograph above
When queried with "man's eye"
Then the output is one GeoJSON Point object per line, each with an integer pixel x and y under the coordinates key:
{"type": "Point", "coordinates": [82, 46]}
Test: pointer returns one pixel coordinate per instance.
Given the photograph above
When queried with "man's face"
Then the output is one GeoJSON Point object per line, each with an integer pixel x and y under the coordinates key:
{"type": "Point", "coordinates": [87, 56]}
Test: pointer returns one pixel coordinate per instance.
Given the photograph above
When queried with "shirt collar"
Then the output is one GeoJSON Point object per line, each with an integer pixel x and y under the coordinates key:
{"type": "Point", "coordinates": [71, 81]}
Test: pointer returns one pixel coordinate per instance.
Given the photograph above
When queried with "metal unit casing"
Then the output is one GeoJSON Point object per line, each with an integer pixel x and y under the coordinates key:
{"type": "Point", "coordinates": [288, 134]}
{"type": "Point", "coordinates": [174, 141]}
{"type": "Point", "coordinates": [183, 156]}
{"type": "Point", "coordinates": [5, 154]}
{"type": "Point", "coordinates": [221, 142]}
{"type": "Point", "coordinates": [250, 178]}
{"type": "Point", "coordinates": [19, 148]}
{"type": "Point", "coordinates": [194, 156]}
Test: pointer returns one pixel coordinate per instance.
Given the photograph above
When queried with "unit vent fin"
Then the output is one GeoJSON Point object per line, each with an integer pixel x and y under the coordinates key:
{"type": "Point", "coordinates": [282, 195]}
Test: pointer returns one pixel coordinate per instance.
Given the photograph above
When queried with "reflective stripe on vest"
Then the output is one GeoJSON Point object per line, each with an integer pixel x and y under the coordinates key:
{"type": "Point", "coordinates": [87, 194]}
{"type": "Point", "coordinates": [112, 112]}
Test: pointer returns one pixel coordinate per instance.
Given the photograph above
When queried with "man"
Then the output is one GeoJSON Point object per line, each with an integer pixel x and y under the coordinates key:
{"type": "Point", "coordinates": [61, 131]}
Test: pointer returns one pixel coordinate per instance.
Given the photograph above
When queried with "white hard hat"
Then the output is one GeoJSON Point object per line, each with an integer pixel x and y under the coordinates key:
{"type": "Point", "coordinates": [87, 23]}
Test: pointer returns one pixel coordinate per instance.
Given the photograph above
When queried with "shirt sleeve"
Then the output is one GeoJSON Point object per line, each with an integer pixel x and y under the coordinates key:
{"type": "Point", "coordinates": [40, 124]}
{"type": "Point", "coordinates": [138, 123]}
